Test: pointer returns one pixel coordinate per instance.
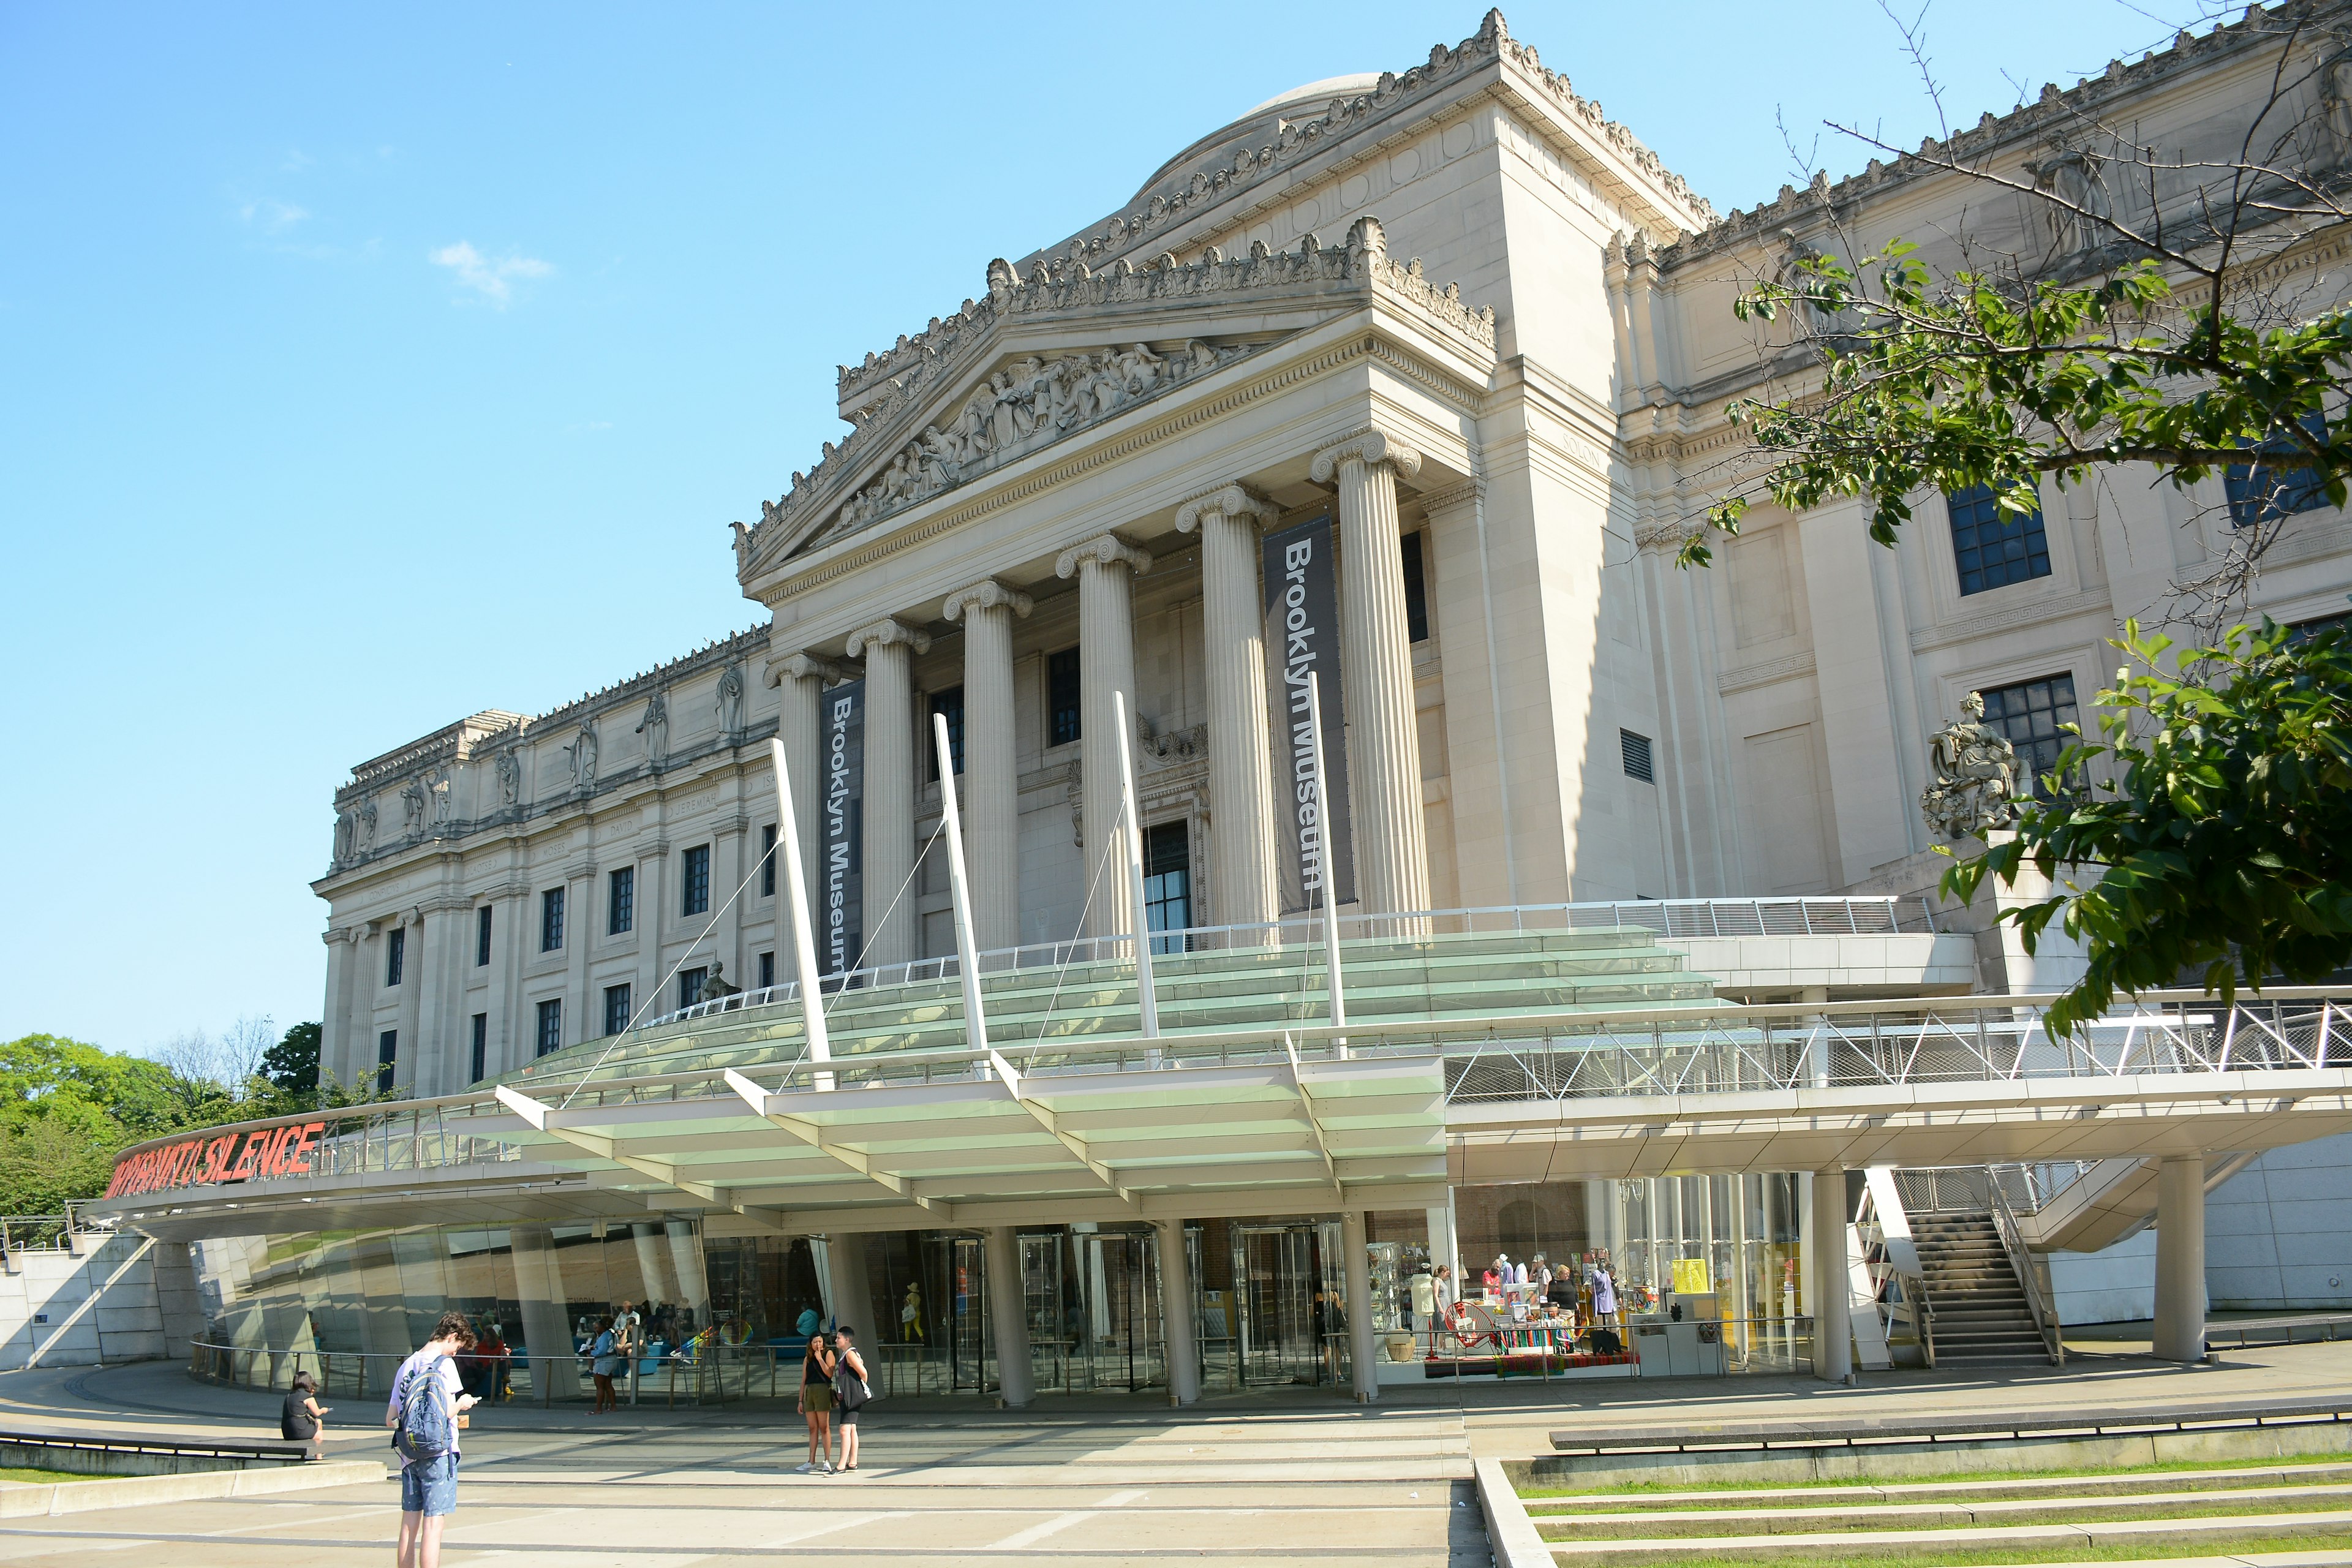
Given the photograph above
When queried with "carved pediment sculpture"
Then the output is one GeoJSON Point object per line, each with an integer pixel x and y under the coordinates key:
{"type": "Point", "coordinates": [654, 728]}
{"type": "Point", "coordinates": [2077, 205]}
{"type": "Point", "coordinates": [414, 804]}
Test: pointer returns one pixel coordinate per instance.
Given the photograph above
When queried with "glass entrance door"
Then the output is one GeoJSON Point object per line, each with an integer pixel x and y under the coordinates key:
{"type": "Point", "coordinates": [1278, 1283]}
{"type": "Point", "coordinates": [1120, 1340]}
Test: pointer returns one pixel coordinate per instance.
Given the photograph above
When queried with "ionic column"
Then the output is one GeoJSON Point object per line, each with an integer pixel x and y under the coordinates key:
{"type": "Point", "coordinates": [1375, 662]}
{"type": "Point", "coordinates": [1240, 765]}
{"type": "Point", "coordinates": [802, 678]}
{"type": "Point", "coordinates": [889, 648]}
{"type": "Point", "coordinates": [991, 788]}
{"type": "Point", "coordinates": [1106, 569]}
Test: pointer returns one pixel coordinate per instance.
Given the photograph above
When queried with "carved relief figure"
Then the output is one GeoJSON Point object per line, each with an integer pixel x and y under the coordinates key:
{"type": "Point", "coordinates": [2071, 175]}
{"type": "Point", "coordinates": [581, 755]}
{"type": "Point", "coordinates": [439, 790]}
{"type": "Point", "coordinates": [347, 836]}
{"type": "Point", "coordinates": [367, 824]}
{"type": "Point", "coordinates": [654, 728]}
{"type": "Point", "coordinates": [413, 805]}
{"type": "Point", "coordinates": [1975, 788]}
{"type": "Point", "coordinates": [731, 700]}
{"type": "Point", "coordinates": [2337, 92]}
{"type": "Point", "coordinates": [510, 777]}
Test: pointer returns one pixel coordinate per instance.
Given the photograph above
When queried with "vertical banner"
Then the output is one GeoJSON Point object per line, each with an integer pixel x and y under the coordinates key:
{"type": "Point", "coordinates": [1315, 858]}
{"type": "Point", "coordinates": [840, 933]}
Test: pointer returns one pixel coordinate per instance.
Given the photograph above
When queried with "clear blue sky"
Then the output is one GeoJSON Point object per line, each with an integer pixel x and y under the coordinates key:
{"type": "Point", "coordinates": [362, 366]}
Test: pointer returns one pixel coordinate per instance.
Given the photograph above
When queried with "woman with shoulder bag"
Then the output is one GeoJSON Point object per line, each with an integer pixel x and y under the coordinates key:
{"type": "Point", "coordinates": [849, 1382]}
{"type": "Point", "coordinates": [816, 1404]}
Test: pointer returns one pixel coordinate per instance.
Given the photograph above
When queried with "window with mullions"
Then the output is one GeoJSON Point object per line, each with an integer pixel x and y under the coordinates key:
{"type": "Point", "coordinates": [1061, 697]}
{"type": "Point", "coordinates": [550, 920]}
{"type": "Point", "coordinates": [387, 1059]}
{"type": "Point", "coordinates": [689, 986]}
{"type": "Point", "coordinates": [1993, 548]}
{"type": "Point", "coordinates": [481, 1047]}
{"type": "Point", "coordinates": [767, 970]}
{"type": "Point", "coordinates": [695, 883]}
{"type": "Point", "coordinates": [2261, 493]}
{"type": "Point", "coordinates": [550, 1025]}
{"type": "Point", "coordinates": [621, 901]}
{"type": "Point", "coordinates": [616, 1008]}
{"type": "Point", "coordinates": [768, 861]}
{"type": "Point", "coordinates": [396, 955]}
{"type": "Point", "coordinates": [482, 937]}
{"type": "Point", "coordinates": [1168, 883]}
{"type": "Point", "coordinates": [2029, 715]}
{"type": "Point", "coordinates": [950, 702]}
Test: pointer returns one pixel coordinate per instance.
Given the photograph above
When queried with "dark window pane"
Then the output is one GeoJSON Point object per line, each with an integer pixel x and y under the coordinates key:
{"type": "Point", "coordinates": [616, 1008]}
{"type": "Point", "coordinates": [482, 936]}
{"type": "Point", "coordinates": [550, 1025]}
{"type": "Point", "coordinates": [2028, 715]}
{"type": "Point", "coordinates": [2260, 493]}
{"type": "Point", "coordinates": [695, 891]}
{"type": "Point", "coordinates": [768, 861]}
{"type": "Point", "coordinates": [550, 920]}
{"type": "Point", "coordinates": [1993, 548]}
{"type": "Point", "coordinates": [481, 1047]}
{"type": "Point", "coordinates": [768, 972]}
{"type": "Point", "coordinates": [689, 986]}
{"type": "Point", "coordinates": [1061, 697]}
{"type": "Point", "coordinates": [1636, 750]}
{"type": "Point", "coordinates": [1416, 592]}
{"type": "Point", "coordinates": [396, 955]}
{"type": "Point", "coordinates": [1168, 883]}
{"type": "Point", "coordinates": [622, 898]}
{"type": "Point", "coordinates": [950, 702]}
{"type": "Point", "coordinates": [387, 1057]}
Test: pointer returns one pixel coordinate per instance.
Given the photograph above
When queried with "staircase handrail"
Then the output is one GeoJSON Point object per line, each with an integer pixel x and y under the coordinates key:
{"type": "Point", "coordinates": [2013, 1242]}
{"type": "Point", "coordinates": [1881, 1267]}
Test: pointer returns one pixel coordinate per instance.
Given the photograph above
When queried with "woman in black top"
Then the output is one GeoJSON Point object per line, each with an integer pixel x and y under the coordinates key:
{"type": "Point", "coordinates": [302, 1420]}
{"type": "Point", "coordinates": [816, 1404]}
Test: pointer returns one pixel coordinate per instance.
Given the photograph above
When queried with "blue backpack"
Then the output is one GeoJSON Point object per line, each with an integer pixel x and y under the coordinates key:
{"type": "Point", "coordinates": [428, 1425]}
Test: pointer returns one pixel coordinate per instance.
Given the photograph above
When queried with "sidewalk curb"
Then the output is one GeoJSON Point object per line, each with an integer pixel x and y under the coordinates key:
{"type": "Point", "coordinates": [135, 1491]}
{"type": "Point", "coordinates": [1510, 1534]}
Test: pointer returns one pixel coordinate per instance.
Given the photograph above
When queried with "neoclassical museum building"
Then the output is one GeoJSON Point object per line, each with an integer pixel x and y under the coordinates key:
{"type": "Point", "coordinates": [1414, 381]}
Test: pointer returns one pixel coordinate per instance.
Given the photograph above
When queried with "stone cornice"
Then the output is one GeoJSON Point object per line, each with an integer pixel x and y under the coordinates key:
{"type": "Point", "coordinates": [1446, 500]}
{"type": "Point", "coordinates": [988, 593]}
{"type": "Point", "coordinates": [885, 632]}
{"type": "Point", "coordinates": [1368, 445]}
{"type": "Point", "coordinates": [2034, 610]}
{"type": "Point", "coordinates": [1226, 500]}
{"type": "Point", "coordinates": [1748, 677]}
{"type": "Point", "coordinates": [1106, 549]}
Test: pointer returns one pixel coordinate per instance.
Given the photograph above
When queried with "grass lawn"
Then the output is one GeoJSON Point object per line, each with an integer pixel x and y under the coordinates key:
{"type": "Point", "coordinates": [2174, 1467]}
{"type": "Point", "coordinates": [2136, 1550]}
{"type": "Point", "coordinates": [43, 1478]}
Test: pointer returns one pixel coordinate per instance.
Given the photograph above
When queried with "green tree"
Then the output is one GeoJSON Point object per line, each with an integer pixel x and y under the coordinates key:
{"type": "Point", "coordinates": [291, 1064]}
{"type": "Point", "coordinates": [2223, 838]}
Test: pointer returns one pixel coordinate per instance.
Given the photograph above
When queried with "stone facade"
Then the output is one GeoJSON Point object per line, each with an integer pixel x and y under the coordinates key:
{"type": "Point", "coordinates": [1454, 307]}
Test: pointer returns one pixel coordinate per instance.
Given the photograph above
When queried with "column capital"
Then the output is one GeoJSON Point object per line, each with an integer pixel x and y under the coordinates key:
{"type": "Point", "coordinates": [1110, 550]}
{"type": "Point", "coordinates": [1367, 445]}
{"type": "Point", "coordinates": [802, 667]}
{"type": "Point", "coordinates": [1227, 501]}
{"type": "Point", "coordinates": [885, 632]}
{"type": "Point", "coordinates": [988, 593]}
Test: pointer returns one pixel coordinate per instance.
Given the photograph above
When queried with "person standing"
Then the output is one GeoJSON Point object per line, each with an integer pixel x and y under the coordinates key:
{"type": "Point", "coordinates": [852, 1388]}
{"type": "Point", "coordinates": [303, 1420]}
{"type": "Point", "coordinates": [815, 1404]}
{"type": "Point", "coordinates": [605, 1361]}
{"type": "Point", "coordinates": [428, 1487]}
{"type": "Point", "coordinates": [1425, 1303]}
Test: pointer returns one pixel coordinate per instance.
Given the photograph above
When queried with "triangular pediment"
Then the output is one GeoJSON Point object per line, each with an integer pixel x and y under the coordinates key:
{"type": "Point", "coordinates": [1036, 363]}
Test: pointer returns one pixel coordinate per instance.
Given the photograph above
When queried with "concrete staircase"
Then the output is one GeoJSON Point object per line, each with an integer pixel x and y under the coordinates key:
{"type": "Point", "coordinates": [1982, 1313]}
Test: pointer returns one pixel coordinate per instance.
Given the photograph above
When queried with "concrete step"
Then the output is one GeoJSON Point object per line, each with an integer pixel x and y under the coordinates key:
{"type": "Point", "coordinates": [2194, 1535]}
{"type": "Point", "coordinates": [1790, 1516]}
{"type": "Point", "coordinates": [2283, 1474]}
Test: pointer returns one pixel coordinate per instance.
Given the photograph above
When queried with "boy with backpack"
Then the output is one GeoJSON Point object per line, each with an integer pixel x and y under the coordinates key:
{"type": "Point", "coordinates": [427, 1408]}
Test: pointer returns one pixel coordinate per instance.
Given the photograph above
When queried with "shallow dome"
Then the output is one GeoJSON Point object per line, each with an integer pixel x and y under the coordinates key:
{"type": "Point", "coordinates": [1257, 125]}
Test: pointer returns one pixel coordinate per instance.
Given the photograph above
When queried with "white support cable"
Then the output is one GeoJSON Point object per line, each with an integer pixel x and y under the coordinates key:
{"type": "Point", "coordinates": [975, 1024]}
{"type": "Point", "coordinates": [1323, 819]}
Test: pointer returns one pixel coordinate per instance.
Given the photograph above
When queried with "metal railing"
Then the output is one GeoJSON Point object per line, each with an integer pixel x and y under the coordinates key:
{"type": "Point", "coordinates": [1555, 1057]}
{"type": "Point", "coordinates": [1685, 919]}
{"type": "Point", "coordinates": [2039, 1298]}
{"type": "Point", "coordinates": [2029, 1189]}
{"type": "Point", "coordinates": [1898, 1294]}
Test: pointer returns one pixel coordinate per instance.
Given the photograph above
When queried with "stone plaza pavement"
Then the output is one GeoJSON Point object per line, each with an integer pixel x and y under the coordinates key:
{"type": "Point", "coordinates": [1273, 1478]}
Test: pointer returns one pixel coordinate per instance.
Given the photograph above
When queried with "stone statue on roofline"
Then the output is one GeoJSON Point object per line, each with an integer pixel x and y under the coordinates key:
{"type": "Point", "coordinates": [716, 986]}
{"type": "Point", "coordinates": [1975, 788]}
